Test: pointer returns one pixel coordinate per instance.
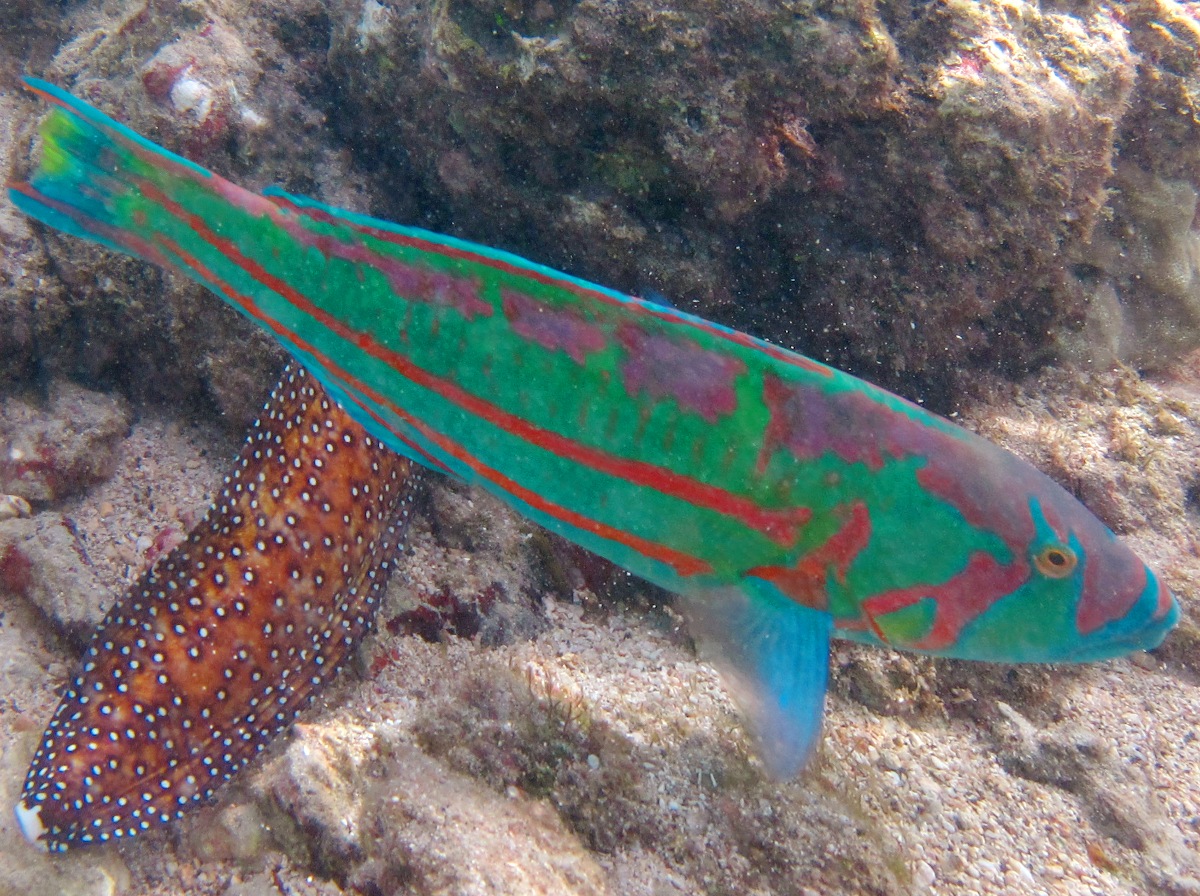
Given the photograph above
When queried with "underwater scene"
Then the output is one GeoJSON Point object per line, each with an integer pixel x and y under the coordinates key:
{"type": "Point", "coordinates": [632, 447]}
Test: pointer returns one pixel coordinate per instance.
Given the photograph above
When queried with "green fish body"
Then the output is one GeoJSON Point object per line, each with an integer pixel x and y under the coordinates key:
{"type": "Point", "coordinates": [784, 500]}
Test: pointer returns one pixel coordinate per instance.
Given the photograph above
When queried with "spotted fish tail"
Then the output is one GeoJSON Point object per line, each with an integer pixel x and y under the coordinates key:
{"type": "Point", "coordinates": [222, 642]}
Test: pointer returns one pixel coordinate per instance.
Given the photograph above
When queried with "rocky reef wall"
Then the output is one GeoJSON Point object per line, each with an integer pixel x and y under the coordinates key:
{"type": "Point", "coordinates": [911, 191]}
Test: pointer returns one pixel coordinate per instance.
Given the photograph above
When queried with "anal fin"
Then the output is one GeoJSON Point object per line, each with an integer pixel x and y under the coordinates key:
{"type": "Point", "coordinates": [774, 654]}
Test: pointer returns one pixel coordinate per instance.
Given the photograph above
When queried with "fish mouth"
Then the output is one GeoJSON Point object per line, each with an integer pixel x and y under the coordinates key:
{"type": "Point", "coordinates": [1165, 616]}
{"type": "Point", "coordinates": [1158, 612]}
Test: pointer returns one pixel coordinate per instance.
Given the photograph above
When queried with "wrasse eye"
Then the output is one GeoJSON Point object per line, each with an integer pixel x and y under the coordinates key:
{"type": "Point", "coordinates": [1055, 561]}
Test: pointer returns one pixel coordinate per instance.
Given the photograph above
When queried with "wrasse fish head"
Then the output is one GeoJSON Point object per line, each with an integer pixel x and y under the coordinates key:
{"type": "Point", "coordinates": [1045, 582]}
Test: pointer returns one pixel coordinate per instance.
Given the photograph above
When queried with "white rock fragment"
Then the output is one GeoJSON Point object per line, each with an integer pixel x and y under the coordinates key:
{"type": "Point", "coordinates": [251, 118]}
{"type": "Point", "coordinates": [14, 507]}
{"type": "Point", "coordinates": [372, 23]}
{"type": "Point", "coordinates": [923, 876]}
{"type": "Point", "coordinates": [192, 97]}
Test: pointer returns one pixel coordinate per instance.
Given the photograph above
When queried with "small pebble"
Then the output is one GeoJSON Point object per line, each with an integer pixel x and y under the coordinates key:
{"type": "Point", "coordinates": [14, 507]}
{"type": "Point", "coordinates": [924, 876]}
{"type": "Point", "coordinates": [1144, 660]}
{"type": "Point", "coordinates": [1022, 875]}
{"type": "Point", "coordinates": [190, 95]}
{"type": "Point", "coordinates": [989, 870]}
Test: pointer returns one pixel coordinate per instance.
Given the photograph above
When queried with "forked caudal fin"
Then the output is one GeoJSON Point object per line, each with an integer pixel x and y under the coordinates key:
{"type": "Point", "coordinates": [99, 180]}
{"type": "Point", "coordinates": [90, 180]}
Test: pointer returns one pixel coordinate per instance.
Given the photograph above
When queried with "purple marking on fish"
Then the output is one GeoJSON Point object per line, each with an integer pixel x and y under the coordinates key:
{"type": "Point", "coordinates": [810, 423]}
{"type": "Point", "coordinates": [699, 379]}
{"type": "Point", "coordinates": [410, 281]}
{"type": "Point", "coordinates": [552, 328]}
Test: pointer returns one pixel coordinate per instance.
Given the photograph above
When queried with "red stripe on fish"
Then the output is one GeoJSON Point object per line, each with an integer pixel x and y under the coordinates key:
{"type": "Point", "coordinates": [683, 564]}
{"type": "Point", "coordinates": [806, 580]}
{"type": "Point", "coordinates": [545, 276]}
{"type": "Point", "coordinates": [958, 600]}
{"type": "Point", "coordinates": [780, 525]}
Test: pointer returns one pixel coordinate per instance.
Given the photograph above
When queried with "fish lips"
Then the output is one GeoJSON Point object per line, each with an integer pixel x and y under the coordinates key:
{"type": "Point", "coordinates": [1150, 618]}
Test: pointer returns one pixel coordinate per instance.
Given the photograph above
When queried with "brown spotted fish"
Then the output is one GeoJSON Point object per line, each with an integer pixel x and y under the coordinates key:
{"type": "Point", "coordinates": [229, 636]}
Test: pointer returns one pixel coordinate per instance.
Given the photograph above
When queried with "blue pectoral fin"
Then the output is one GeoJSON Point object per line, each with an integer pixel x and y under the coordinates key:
{"type": "Point", "coordinates": [775, 655]}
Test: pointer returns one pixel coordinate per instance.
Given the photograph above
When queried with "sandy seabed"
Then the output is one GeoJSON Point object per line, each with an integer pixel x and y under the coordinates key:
{"type": "Point", "coordinates": [586, 749]}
